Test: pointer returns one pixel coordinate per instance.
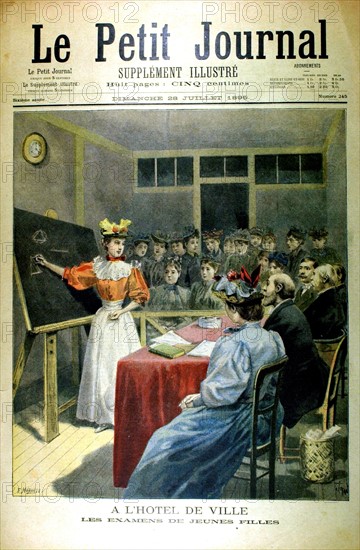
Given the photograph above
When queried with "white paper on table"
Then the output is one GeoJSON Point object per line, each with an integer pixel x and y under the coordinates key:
{"type": "Point", "coordinates": [204, 349]}
{"type": "Point", "coordinates": [169, 338]}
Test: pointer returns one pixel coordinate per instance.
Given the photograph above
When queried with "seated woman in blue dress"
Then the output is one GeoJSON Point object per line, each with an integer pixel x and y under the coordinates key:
{"type": "Point", "coordinates": [197, 453]}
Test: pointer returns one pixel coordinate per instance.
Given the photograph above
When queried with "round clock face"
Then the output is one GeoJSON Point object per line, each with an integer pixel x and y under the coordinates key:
{"type": "Point", "coordinates": [34, 148]}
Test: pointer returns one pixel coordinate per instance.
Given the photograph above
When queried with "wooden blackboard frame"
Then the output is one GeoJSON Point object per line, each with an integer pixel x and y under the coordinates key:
{"type": "Point", "coordinates": [51, 327]}
{"type": "Point", "coordinates": [48, 303]}
{"type": "Point", "coordinates": [49, 331]}
{"type": "Point", "coordinates": [51, 407]}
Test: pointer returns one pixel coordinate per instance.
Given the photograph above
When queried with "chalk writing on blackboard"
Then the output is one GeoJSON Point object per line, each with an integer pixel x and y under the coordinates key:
{"type": "Point", "coordinates": [34, 266]}
{"type": "Point", "coordinates": [40, 237]}
{"type": "Point", "coordinates": [47, 298]}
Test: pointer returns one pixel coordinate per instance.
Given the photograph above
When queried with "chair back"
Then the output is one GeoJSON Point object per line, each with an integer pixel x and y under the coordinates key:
{"type": "Point", "coordinates": [333, 352]}
{"type": "Point", "coordinates": [327, 348]}
{"type": "Point", "coordinates": [260, 407]}
{"type": "Point", "coordinates": [262, 377]}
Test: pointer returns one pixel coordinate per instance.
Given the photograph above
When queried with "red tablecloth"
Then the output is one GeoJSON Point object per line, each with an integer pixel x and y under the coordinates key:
{"type": "Point", "coordinates": [149, 389]}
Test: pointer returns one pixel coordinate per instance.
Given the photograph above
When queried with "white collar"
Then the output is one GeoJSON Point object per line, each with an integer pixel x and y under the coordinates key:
{"type": "Point", "coordinates": [114, 271]}
{"type": "Point", "coordinates": [307, 286]}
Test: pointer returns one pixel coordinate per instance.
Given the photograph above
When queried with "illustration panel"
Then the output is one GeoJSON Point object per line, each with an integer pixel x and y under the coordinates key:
{"type": "Point", "coordinates": [208, 192]}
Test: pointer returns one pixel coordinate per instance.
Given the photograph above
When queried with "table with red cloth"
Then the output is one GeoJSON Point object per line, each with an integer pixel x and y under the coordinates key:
{"type": "Point", "coordinates": [149, 389]}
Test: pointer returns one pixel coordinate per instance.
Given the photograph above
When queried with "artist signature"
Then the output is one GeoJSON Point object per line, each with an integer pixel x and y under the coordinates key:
{"type": "Point", "coordinates": [24, 490]}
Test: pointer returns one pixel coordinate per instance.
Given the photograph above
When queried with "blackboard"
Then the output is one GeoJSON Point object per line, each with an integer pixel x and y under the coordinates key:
{"type": "Point", "coordinates": [49, 299]}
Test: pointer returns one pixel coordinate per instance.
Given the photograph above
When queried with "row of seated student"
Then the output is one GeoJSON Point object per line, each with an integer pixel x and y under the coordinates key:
{"type": "Point", "coordinates": [241, 248]}
{"type": "Point", "coordinates": [171, 296]}
{"type": "Point", "coordinates": [320, 292]}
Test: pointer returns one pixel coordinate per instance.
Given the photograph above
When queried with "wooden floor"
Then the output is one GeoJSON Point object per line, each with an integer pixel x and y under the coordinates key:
{"type": "Point", "coordinates": [78, 463]}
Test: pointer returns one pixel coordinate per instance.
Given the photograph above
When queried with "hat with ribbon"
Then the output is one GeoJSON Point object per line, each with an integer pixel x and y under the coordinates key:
{"type": "Point", "coordinates": [239, 288]}
{"type": "Point", "coordinates": [160, 237]}
{"type": "Point", "coordinates": [112, 229]}
{"type": "Point", "coordinates": [212, 234]}
{"type": "Point", "coordinates": [176, 237]}
{"type": "Point", "coordinates": [318, 233]}
{"type": "Point", "coordinates": [242, 235]}
{"type": "Point", "coordinates": [297, 233]}
{"type": "Point", "coordinates": [279, 257]}
{"type": "Point", "coordinates": [191, 231]}
{"type": "Point", "coordinates": [141, 238]}
{"type": "Point", "coordinates": [256, 231]}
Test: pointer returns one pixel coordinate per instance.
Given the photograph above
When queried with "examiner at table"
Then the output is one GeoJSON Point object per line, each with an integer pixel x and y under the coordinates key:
{"type": "Point", "coordinates": [196, 454]}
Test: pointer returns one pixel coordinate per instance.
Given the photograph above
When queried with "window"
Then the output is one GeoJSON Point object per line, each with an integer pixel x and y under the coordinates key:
{"type": "Point", "coordinates": [221, 167]}
{"type": "Point", "coordinates": [165, 172]}
{"type": "Point", "coordinates": [265, 169]}
{"type": "Point", "coordinates": [311, 168]}
{"type": "Point", "coordinates": [146, 173]}
{"type": "Point", "coordinates": [288, 168]}
{"type": "Point", "coordinates": [184, 170]}
{"type": "Point", "coordinates": [212, 167]}
{"type": "Point", "coordinates": [236, 167]}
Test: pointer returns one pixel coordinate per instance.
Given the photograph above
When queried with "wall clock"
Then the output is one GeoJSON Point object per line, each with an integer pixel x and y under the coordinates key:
{"type": "Point", "coordinates": [34, 148]}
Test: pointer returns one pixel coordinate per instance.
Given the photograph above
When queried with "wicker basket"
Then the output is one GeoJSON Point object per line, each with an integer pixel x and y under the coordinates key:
{"type": "Point", "coordinates": [317, 460]}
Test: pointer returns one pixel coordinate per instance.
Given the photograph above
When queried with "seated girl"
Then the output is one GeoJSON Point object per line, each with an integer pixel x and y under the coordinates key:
{"type": "Point", "coordinates": [169, 296]}
{"type": "Point", "coordinates": [201, 296]}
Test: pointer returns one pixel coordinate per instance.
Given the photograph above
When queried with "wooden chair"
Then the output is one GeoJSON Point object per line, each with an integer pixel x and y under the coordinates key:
{"type": "Point", "coordinates": [333, 352]}
{"type": "Point", "coordinates": [255, 451]}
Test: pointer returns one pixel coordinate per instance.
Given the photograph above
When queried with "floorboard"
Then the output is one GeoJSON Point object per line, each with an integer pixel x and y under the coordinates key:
{"type": "Point", "coordinates": [78, 463]}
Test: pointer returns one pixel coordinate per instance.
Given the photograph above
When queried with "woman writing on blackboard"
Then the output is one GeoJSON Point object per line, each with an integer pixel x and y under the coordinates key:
{"type": "Point", "coordinates": [113, 333]}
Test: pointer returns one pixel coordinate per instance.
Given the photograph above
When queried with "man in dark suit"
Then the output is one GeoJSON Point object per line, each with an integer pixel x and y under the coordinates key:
{"type": "Point", "coordinates": [326, 314]}
{"type": "Point", "coordinates": [305, 375]}
{"type": "Point", "coordinates": [306, 292]}
{"type": "Point", "coordinates": [295, 239]}
{"type": "Point", "coordinates": [324, 254]}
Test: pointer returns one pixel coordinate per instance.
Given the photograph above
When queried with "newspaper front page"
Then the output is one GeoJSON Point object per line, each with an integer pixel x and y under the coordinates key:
{"type": "Point", "coordinates": [221, 115]}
